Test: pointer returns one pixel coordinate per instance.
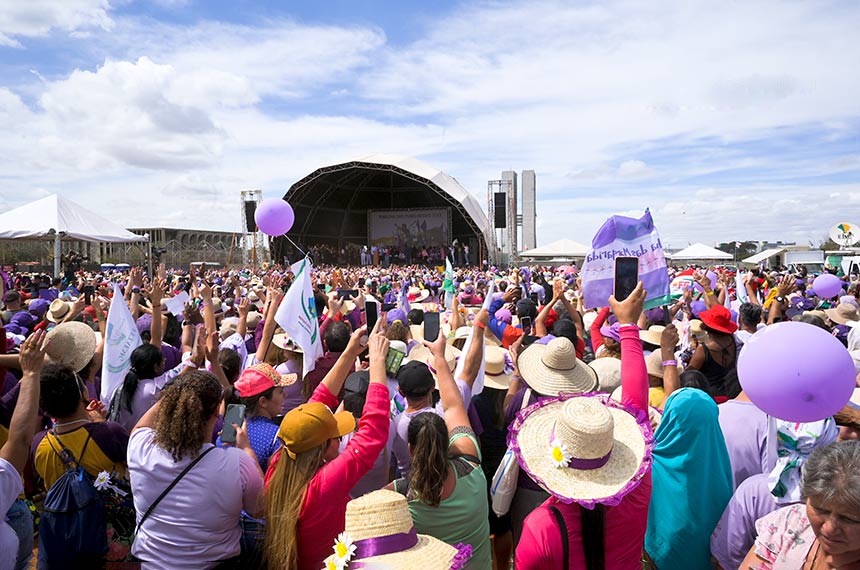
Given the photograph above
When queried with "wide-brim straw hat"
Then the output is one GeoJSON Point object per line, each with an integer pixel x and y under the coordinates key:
{"type": "Point", "coordinates": [654, 364]}
{"type": "Point", "coordinates": [609, 447]}
{"type": "Point", "coordinates": [71, 344]}
{"type": "Point", "coordinates": [385, 515]}
{"type": "Point", "coordinates": [843, 313]}
{"type": "Point", "coordinates": [654, 415]}
{"type": "Point", "coordinates": [552, 368]}
{"type": "Point", "coordinates": [283, 340]}
{"type": "Point", "coordinates": [57, 310]}
{"type": "Point", "coordinates": [608, 371]}
{"type": "Point", "coordinates": [652, 334]}
{"type": "Point", "coordinates": [416, 294]}
{"type": "Point", "coordinates": [422, 354]}
{"type": "Point", "coordinates": [498, 368]}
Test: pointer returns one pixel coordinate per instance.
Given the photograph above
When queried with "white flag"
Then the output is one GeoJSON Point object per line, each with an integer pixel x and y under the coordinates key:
{"type": "Point", "coordinates": [297, 315]}
{"type": "Point", "coordinates": [478, 386]}
{"type": "Point", "coordinates": [121, 338]}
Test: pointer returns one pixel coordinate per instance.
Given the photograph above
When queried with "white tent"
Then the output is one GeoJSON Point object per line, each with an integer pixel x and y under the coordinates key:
{"type": "Point", "coordinates": [763, 255]}
{"type": "Point", "coordinates": [59, 218]}
{"type": "Point", "coordinates": [700, 251]}
{"type": "Point", "coordinates": [561, 249]}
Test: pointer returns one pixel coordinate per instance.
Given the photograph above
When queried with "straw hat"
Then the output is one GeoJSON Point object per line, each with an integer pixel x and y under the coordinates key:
{"type": "Point", "coordinates": [57, 310]}
{"type": "Point", "coordinates": [416, 294]}
{"type": "Point", "coordinates": [654, 415]}
{"type": "Point", "coordinates": [608, 371]}
{"type": "Point", "coordinates": [284, 341]}
{"type": "Point", "coordinates": [652, 334]}
{"type": "Point", "coordinates": [586, 449]}
{"type": "Point", "coordinates": [553, 368]}
{"type": "Point", "coordinates": [71, 344]}
{"type": "Point", "coordinates": [417, 332]}
{"type": "Point", "coordinates": [422, 354]}
{"type": "Point", "coordinates": [696, 328]}
{"type": "Point", "coordinates": [654, 364]}
{"type": "Point", "coordinates": [380, 521]}
{"type": "Point", "coordinates": [843, 313]}
{"type": "Point", "coordinates": [498, 368]}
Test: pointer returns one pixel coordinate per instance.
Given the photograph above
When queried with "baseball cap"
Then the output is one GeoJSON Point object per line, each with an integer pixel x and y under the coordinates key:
{"type": "Point", "coordinates": [415, 379]}
{"type": "Point", "coordinates": [357, 382]}
{"type": "Point", "coordinates": [257, 379]}
{"type": "Point", "coordinates": [311, 425]}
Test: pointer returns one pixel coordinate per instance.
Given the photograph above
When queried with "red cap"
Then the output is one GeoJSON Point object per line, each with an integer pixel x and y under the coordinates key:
{"type": "Point", "coordinates": [257, 379]}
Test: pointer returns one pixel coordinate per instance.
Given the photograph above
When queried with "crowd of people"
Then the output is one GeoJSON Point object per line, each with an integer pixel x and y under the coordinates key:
{"type": "Point", "coordinates": [530, 432]}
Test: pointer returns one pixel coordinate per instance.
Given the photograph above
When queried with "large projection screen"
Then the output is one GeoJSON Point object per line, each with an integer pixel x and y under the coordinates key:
{"type": "Point", "coordinates": [414, 227]}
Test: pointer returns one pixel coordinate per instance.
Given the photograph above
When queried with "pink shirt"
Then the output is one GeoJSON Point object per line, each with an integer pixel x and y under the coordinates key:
{"type": "Point", "coordinates": [323, 515]}
{"type": "Point", "coordinates": [784, 539]}
{"type": "Point", "coordinates": [197, 523]}
{"type": "Point", "coordinates": [541, 545]}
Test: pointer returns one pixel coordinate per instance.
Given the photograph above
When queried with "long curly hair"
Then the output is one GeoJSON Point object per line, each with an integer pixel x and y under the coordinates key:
{"type": "Point", "coordinates": [185, 407]}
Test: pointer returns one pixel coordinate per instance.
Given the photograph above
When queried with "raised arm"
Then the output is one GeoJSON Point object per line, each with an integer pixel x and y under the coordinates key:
{"type": "Point", "coordinates": [335, 378]}
{"type": "Point", "coordinates": [634, 375]}
{"type": "Point", "coordinates": [671, 378]}
{"type": "Point", "coordinates": [472, 364]}
{"type": "Point", "coordinates": [243, 306]}
{"type": "Point", "coordinates": [453, 406]}
{"type": "Point", "coordinates": [596, 337]}
{"type": "Point", "coordinates": [273, 301]}
{"type": "Point", "coordinates": [155, 329]}
{"type": "Point", "coordinates": [540, 321]}
{"type": "Point", "coordinates": [26, 415]}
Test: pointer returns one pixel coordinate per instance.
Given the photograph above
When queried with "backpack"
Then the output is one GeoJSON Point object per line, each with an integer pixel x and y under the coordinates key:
{"type": "Point", "coordinates": [73, 528]}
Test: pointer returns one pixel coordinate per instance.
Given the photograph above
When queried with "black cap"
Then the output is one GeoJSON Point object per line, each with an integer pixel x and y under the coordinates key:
{"type": "Point", "coordinates": [357, 382]}
{"type": "Point", "coordinates": [415, 379]}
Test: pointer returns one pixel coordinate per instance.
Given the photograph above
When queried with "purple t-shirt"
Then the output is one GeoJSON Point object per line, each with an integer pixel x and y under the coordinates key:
{"type": "Point", "coordinates": [745, 431]}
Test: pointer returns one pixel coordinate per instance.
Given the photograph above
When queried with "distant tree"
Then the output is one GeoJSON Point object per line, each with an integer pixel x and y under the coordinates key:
{"type": "Point", "coordinates": [829, 244]}
{"type": "Point", "coordinates": [742, 251]}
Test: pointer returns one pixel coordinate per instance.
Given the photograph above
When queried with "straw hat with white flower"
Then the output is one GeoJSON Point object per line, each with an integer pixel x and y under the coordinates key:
{"type": "Point", "coordinates": [552, 368]}
{"type": "Point", "coordinates": [380, 534]}
{"type": "Point", "coordinates": [583, 448]}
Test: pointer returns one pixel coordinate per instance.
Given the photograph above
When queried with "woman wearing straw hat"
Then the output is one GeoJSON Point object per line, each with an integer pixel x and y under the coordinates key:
{"type": "Point", "coordinates": [308, 482]}
{"type": "Point", "coordinates": [593, 456]}
{"type": "Point", "coordinates": [544, 370]}
{"type": "Point", "coordinates": [446, 476]}
{"type": "Point", "coordinates": [380, 534]}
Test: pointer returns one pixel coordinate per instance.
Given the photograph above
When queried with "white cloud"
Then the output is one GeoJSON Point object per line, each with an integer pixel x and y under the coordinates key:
{"type": "Point", "coordinates": [33, 18]}
{"type": "Point", "coordinates": [584, 94]}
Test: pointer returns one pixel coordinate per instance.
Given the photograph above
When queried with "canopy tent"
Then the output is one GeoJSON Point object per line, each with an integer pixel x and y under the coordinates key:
{"type": "Point", "coordinates": [59, 218]}
{"type": "Point", "coordinates": [562, 249]}
{"type": "Point", "coordinates": [763, 255]}
{"type": "Point", "coordinates": [700, 251]}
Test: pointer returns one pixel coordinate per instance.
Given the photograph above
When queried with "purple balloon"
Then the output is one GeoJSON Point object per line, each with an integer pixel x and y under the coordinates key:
{"type": "Point", "coordinates": [827, 285]}
{"type": "Point", "coordinates": [796, 372]}
{"type": "Point", "coordinates": [274, 217]}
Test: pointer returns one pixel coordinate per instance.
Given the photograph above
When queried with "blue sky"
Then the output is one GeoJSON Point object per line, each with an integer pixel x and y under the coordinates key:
{"type": "Point", "coordinates": [730, 121]}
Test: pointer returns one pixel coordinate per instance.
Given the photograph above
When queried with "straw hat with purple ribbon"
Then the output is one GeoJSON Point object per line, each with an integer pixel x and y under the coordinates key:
{"type": "Point", "coordinates": [380, 534]}
{"type": "Point", "coordinates": [583, 448]}
{"type": "Point", "coordinates": [498, 368]}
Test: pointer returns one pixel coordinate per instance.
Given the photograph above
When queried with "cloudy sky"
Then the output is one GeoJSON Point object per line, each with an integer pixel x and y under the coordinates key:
{"type": "Point", "coordinates": [730, 120]}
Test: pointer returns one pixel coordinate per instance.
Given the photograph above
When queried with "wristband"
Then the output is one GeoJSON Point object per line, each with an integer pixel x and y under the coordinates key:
{"type": "Point", "coordinates": [670, 363]}
{"type": "Point", "coordinates": [135, 290]}
{"type": "Point", "coordinates": [192, 364]}
{"type": "Point", "coordinates": [709, 293]}
{"type": "Point", "coordinates": [480, 325]}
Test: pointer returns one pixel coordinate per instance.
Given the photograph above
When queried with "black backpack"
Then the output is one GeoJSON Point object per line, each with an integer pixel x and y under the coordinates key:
{"type": "Point", "coordinates": [73, 528]}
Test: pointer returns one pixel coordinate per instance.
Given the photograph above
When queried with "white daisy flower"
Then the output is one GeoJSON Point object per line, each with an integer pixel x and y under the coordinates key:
{"type": "Point", "coordinates": [559, 453]}
{"type": "Point", "coordinates": [102, 482]}
{"type": "Point", "coordinates": [343, 550]}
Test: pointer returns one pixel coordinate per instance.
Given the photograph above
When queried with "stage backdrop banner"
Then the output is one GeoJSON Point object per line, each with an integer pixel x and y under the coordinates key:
{"type": "Point", "coordinates": [622, 236]}
{"type": "Point", "coordinates": [416, 227]}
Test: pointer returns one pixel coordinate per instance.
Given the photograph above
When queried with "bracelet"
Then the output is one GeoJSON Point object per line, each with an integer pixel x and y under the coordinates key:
{"type": "Point", "coordinates": [135, 290]}
{"type": "Point", "coordinates": [480, 325]}
{"type": "Point", "coordinates": [192, 364]}
{"type": "Point", "coordinates": [670, 363]}
{"type": "Point", "coordinates": [709, 293]}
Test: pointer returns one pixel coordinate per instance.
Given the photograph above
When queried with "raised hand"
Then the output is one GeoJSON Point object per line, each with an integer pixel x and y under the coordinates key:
{"type": "Point", "coordinates": [629, 309]}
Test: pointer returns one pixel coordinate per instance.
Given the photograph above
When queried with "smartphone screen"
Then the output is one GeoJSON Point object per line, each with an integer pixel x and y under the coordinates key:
{"type": "Point", "coordinates": [392, 361]}
{"type": "Point", "coordinates": [431, 326]}
{"type": "Point", "coordinates": [388, 307]}
{"type": "Point", "coordinates": [626, 276]}
{"type": "Point", "coordinates": [372, 312]}
{"type": "Point", "coordinates": [526, 323]}
{"type": "Point", "coordinates": [235, 415]}
{"type": "Point", "coordinates": [88, 294]}
{"type": "Point", "coordinates": [347, 293]}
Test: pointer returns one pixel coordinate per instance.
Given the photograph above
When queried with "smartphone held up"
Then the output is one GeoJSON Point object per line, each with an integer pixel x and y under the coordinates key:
{"type": "Point", "coordinates": [626, 276]}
